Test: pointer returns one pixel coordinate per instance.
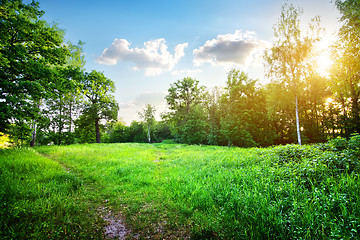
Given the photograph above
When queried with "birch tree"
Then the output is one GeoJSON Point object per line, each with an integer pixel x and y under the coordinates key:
{"type": "Point", "coordinates": [148, 116]}
{"type": "Point", "coordinates": [287, 59]}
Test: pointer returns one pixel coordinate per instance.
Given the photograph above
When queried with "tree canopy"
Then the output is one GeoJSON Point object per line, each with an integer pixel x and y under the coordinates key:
{"type": "Point", "coordinates": [47, 97]}
{"type": "Point", "coordinates": [29, 50]}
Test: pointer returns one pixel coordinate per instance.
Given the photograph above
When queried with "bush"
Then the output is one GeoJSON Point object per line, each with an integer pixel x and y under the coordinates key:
{"type": "Point", "coordinates": [169, 141]}
{"type": "Point", "coordinates": [294, 153]}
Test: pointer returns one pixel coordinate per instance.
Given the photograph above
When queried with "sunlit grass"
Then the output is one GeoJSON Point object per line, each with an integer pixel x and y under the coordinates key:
{"type": "Point", "coordinates": [40, 199]}
{"type": "Point", "coordinates": [4, 141]}
{"type": "Point", "coordinates": [202, 192]}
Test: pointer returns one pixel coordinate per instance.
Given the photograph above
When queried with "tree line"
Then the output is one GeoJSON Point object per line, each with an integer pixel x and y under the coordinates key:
{"type": "Point", "coordinates": [48, 98]}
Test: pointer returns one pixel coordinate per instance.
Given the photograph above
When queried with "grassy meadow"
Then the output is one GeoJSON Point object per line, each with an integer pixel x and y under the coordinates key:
{"type": "Point", "coordinates": [173, 191]}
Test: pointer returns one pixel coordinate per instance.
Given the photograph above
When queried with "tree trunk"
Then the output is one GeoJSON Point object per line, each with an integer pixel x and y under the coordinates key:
{"type": "Point", "coordinates": [97, 130]}
{"type": "Point", "coordinates": [33, 136]}
{"type": "Point", "coordinates": [60, 124]}
{"type": "Point", "coordinates": [230, 144]}
{"type": "Point", "coordinates": [148, 134]}
{"type": "Point", "coordinates": [70, 115]}
{"type": "Point", "coordinates": [297, 121]}
{"type": "Point", "coordinates": [355, 110]}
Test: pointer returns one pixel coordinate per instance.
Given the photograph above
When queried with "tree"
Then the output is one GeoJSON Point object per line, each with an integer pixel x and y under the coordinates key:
{"type": "Point", "coordinates": [100, 102]}
{"type": "Point", "coordinates": [244, 119]}
{"type": "Point", "coordinates": [148, 116]}
{"type": "Point", "coordinates": [279, 107]}
{"type": "Point", "coordinates": [137, 132]}
{"type": "Point", "coordinates": [188, 119]}
{"type": "Point", "coordinates": [346, 68]}
{"type": "Point", "coordinates": [286, 60]}
{"type": "Point", "coordinates": [119, 133]}
{"type": "Point", "coordinates": [62, 105]}
{"type": "Point", "coordinates": [213, 106]}
{"type": "Point", "coordinates": [314, 100]}
{"type": "Point", "coordinates": [162, 131]}
{"type": "Point", "coordinates": [29, 47]}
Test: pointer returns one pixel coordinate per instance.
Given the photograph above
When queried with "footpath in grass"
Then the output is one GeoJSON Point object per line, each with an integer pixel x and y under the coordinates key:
{"type": "Point", "coordinates": [42, 200]}
{"type": "Point", "coordinates": [171, 191]}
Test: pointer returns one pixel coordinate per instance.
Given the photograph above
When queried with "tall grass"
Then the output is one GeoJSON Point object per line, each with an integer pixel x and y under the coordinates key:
{"type": "Point", "coordinates": [202, 192]}
{"type": "Point", "coordinates": [40, 199]}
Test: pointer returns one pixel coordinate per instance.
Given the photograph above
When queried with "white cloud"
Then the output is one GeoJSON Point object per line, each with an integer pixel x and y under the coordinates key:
{"type": "Point", "coordinates": [238, 49]}
{"type": "Point", "coordinates": [154, 57]}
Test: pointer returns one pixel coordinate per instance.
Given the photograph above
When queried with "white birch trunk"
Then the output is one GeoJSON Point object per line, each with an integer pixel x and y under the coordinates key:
{"type": "Point", "coordinates": [297, 121]}
{"type": "Point", "coordinates": [148, 134]}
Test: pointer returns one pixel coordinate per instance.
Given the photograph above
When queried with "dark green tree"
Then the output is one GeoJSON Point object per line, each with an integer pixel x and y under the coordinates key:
{"type": "Point", "coordinates": [85, 131]}
{"type": "Point", "coordinates": [279, 107]}
{"type": "Point", "coordinates": [137, 132]}
{"type": "Point", "coordinates": [314, 111]}
{"type": "Point", "coordinates": [29, 48]}
{"type": "Point", "coordinates": [63, 104]}
{"type": "Point", "coordinates": [100, 103]}
{"type": "Point", "coordinates": [188, 118]}
{"type": "Point", "coordinates": [213, 106]}
{"type": "Point", "coordinates": [244, 120]}
{"type": "Point", "coordinates": [162, 131]}
{"type": "Point", "coordinates": [119, 133]}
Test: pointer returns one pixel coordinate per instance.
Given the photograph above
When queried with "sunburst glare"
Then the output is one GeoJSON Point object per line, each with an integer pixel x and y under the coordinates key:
{"type": "Point", "coordinates": [323, 56]}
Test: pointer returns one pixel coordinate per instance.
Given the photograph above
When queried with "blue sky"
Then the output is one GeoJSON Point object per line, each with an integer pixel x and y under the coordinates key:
{"type": "Point", "coordinates": [144, 46]}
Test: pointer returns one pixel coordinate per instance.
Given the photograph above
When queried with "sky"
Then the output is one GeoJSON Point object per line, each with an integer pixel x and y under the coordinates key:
{"type": "Point", "coordinates": [146, 45]}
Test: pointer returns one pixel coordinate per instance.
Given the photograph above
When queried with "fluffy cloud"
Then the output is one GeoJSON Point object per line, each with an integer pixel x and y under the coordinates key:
{"type": "Point", "coordinates": [154, 57]}
{"type": "Point", "coordinates": [238, 48]}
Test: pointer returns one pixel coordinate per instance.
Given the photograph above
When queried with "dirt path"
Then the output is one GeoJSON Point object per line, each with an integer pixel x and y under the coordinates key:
{"type": "Point", "coordinates": [115, 227]}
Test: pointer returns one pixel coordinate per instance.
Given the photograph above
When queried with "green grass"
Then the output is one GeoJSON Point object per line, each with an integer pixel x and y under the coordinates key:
{"type": "Point", "coordinates": [40, 199]}
{"type": "Point", "coordinates": [177, 191]}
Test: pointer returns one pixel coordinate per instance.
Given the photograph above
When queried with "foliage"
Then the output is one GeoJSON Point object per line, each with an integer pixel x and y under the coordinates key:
{"type": "Point", "coordinates": [287, 59]}
{"type": "Point", "coordinates": [244, 121]}
{"type": "Point", "coordinates": [4, 140]}
{"type": "Point", "coordinates": [29, 47]}
{"type": "Point", "coordinates": [162, 131]}
{"type": "Point", "coordinates": [85, 131]}
{"type": "Point", "coordinates": [119, 133]}
{"type": "Point", "coordinates": [148, 116]}
{"type": "Point", "coordinates": [188, 120]}
{"type": "Point", "coordinates": [100, 102]}
{"type": "Point", "coordinates": [346, 68]}
{"type": "Point", "coordinates": [62, 107]}
{"type": "Point", "coordinates": [136, 132]}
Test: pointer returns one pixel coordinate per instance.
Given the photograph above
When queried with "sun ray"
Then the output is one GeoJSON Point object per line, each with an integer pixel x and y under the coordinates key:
{"type": "Point", "coordinates": [323, 56]}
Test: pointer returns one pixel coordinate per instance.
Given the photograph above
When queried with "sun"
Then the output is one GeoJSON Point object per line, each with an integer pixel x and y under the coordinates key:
{"type": "Point", "coordinates": [324, 63]}
{"type": "Point", "coordinates": [323, 58]}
